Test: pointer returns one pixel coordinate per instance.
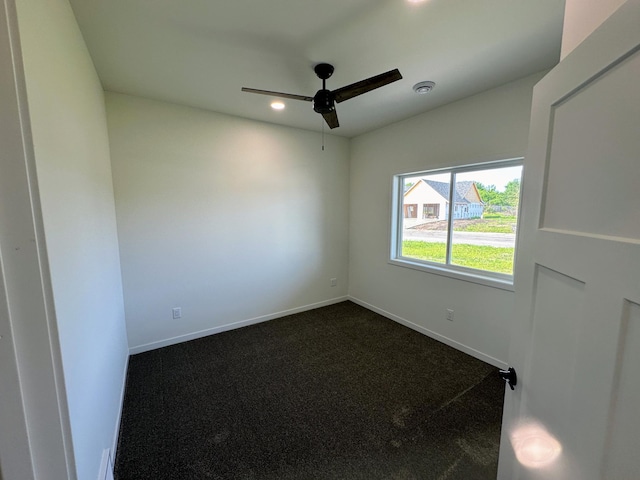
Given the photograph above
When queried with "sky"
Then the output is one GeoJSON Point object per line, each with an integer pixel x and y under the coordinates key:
{"type": "Point", "coordinates": [497, 176]}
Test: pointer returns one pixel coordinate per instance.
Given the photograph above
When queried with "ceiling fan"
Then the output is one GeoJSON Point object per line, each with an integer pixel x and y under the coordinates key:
{"type": "Point", "coordinates": [324, 100]}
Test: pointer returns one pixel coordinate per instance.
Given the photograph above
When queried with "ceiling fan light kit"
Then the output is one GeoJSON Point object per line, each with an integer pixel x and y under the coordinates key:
{"type": "Point", "coordinates": [324, 100]}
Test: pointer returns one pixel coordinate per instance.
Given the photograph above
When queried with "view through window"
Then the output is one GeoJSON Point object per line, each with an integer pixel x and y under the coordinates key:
{"type": "Point", "coordinates": [463, 218]}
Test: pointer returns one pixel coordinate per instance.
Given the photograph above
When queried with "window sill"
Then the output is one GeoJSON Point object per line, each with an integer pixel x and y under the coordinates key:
{"type": "Point", "coordinates": [458, 273]}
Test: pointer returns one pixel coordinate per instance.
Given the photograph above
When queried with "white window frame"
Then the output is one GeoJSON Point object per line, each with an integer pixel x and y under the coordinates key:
{"type": "Point", "coordinates": [483, 277]}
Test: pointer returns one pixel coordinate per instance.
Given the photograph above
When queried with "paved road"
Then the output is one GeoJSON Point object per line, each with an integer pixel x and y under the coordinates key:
{"type": "Point", "coordinates": [472, 238]}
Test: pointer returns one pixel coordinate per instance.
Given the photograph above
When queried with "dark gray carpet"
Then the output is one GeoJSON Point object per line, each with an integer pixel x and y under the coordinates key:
{"type": "Point", "coordinates": [336, 393]}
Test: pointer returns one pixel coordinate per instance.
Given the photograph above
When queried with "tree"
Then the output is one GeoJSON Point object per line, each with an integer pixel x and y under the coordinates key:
{"type": "Point", "coordinates": [512, 193]}
{"type": "Point", "coordinates": [489, 194]}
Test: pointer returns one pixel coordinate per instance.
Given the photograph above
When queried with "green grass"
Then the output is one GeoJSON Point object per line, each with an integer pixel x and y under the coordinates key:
{"type": "Point", "coordinates": [494, 223]}
{"type": "Point", "coordinates": [485, 227]}
{"type": "Point", "coordinates": [492, 259]}
{"type": "Point", "coordinates": [430, 251]}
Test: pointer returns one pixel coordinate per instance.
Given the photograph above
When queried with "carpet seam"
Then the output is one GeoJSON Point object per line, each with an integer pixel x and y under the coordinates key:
{"type": "Point", "coordinates": [460, 395]}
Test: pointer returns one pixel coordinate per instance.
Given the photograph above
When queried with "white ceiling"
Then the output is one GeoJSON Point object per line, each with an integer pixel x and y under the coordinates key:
{"type": "Point", "coordinates": [201, 52]}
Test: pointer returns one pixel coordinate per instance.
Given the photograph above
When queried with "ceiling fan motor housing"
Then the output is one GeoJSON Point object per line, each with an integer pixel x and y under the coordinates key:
{"type": "Point", "coordinates": [323, 101]}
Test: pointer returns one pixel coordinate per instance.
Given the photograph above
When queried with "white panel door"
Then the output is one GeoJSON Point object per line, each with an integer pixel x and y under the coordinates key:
{"type": "Point", "coordinates": [576, 341]}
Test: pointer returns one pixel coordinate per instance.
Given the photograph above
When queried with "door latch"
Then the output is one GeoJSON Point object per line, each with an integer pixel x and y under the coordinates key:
{"type": "Point", "coordinates": [509, 376]}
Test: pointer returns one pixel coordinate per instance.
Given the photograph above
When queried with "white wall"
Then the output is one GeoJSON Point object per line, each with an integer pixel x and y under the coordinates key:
{"type": "Point", "coordinates": [68, 120]}
{"type": "Point", "coordinates": [33, 426]}
{"type": "Point", "coordinates": [581, 18]}
{"type": "Point", "coordinates": [489, 126]}
{"type": "Point", "coordinates": [230, 219]}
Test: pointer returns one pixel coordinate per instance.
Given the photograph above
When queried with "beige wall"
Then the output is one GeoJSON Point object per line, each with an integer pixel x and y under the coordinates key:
{"type": "Point", "coordinates": [490, 126]}
{"type": "Point", "coordinates": [581, 17]}
{"type": "Point", "coordinates": [232, 220]}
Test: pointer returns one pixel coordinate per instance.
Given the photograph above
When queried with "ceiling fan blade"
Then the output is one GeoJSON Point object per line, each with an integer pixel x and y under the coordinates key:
{"type": "Point", "coordinates": [364, 86]}
{"type": "Point", "coordinates": [331, 118]}
{"type": "Point", "coordinates": [278, 94]}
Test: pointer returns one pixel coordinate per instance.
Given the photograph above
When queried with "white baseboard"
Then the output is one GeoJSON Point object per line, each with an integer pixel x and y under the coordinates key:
{"type": "Point", "coordinates": [429, 333]}
{"type": "Point", "coordinates": [232, 326]}
{"type": "Point", "coordinates": [114, 443]}
{"type": "Point", "coordinates": [106, 466]}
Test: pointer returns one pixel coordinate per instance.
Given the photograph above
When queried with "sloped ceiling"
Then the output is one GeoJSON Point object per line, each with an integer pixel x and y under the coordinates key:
{"type": "Point", "coordinates": [201, 52]}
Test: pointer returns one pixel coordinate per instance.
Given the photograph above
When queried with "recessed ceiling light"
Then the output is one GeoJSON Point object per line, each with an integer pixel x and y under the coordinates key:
{"type": "Point", "coordinates": [424, 87]}
{"type": "Point", "coordinates": [415, 1]}
{"type": "Point", "coordinates": [277, 105]}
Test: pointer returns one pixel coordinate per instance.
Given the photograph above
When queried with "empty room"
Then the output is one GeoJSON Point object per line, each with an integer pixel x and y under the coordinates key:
{"type": "Point", "coordinates": [382, 239]}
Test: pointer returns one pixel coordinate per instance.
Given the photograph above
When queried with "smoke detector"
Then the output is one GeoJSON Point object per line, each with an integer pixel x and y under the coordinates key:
{"type": "Point", "coordinates": [424, 87]}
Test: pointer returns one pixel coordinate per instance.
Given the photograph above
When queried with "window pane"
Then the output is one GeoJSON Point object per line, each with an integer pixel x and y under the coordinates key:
{"type": "Point", "coordinates": [485, 219]}
{"type": "Point", "coordinates": [425, 212]}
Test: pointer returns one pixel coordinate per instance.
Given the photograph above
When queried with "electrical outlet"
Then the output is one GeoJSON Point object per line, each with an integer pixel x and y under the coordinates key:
{"type": "Point", "coordinates": [176, 312]}
{"type": "Point", "coordinates": [449, 314]}
{"type": "Point", "coordinates": [334, 282]}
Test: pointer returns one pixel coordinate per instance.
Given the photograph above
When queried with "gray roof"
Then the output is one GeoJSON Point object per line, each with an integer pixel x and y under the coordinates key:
{"type": "Point", "coordinates": [462, 188]}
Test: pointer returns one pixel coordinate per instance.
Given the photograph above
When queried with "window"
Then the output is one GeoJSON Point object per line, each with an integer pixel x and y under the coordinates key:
{"type": "Point", "coordinates": [468, 222]}
{"type": "Point", "coordinates": [431, 210]}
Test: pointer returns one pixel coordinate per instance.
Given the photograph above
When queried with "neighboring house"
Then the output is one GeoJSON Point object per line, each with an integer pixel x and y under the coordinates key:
{"type": "Point", "coordinates": [429, 200]}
